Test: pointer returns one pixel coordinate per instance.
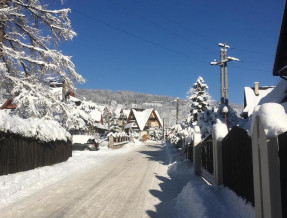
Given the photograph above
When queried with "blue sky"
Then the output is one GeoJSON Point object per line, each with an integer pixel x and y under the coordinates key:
{"type": "Point", "coordinates": [162, 46]}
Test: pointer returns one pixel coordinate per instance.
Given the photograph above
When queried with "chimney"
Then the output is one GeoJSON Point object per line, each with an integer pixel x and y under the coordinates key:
{"type": "Point", "coordinates": [256, 88]}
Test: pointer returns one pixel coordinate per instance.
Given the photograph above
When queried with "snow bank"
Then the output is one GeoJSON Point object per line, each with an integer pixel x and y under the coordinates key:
{"type": "Point", "coordinates": [81, 138]}
{"type": "Point", "coordinates": [220, 130]}
{"type": "Point", "coordinates": [273, 118]}
{"type": "Point", "coordinates": [18, 185]}
{"type": "Point", "coordinates": [44, 130]}
{"type": "Point", "coordinates": [197, 199]}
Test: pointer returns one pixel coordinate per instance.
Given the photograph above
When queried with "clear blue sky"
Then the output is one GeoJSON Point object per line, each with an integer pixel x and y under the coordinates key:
{"type": "Point", "coordinates": [162, 46]}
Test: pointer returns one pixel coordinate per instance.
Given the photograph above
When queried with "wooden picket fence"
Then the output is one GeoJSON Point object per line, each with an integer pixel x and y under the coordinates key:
{"type": "Point", "coordinates": [237, 163]}
{"type": "Point", "coordinates": [18, 153]}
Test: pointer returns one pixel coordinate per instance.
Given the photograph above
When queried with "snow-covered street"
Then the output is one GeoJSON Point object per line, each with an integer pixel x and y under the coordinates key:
{"type": "Point", "coordinates": [136, 181]}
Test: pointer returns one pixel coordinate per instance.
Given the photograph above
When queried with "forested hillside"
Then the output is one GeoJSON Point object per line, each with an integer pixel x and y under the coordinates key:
{"type": "Point", "coordinates": [127, 99]}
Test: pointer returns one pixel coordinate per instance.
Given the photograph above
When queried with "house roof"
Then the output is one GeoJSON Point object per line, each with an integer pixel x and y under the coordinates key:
{"type": "Point", "coordinates": [158, 117]}
{"type": "Point", "coordinates": [8, 105]}
{"type": "Point", "coordinates": [253, 100]}
{"type": "Point", "coordinates": [142, 117]}
{"type": "Point", "coordinates": [280, 63]}
{"type": "Point", "coordinates": [96, 115]}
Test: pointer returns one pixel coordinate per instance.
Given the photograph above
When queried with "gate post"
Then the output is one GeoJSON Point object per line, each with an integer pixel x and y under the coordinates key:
{"type": "Point", "coordinates": [197, 151]}
{"type": "Point", "coordinates": [266, 173]}
{"type": "Point", "coordinates": [111, 141]}
{"type": "Point", "coordinates": [217, 160]}
{"type": "Point", "coordinates": [220, 129]}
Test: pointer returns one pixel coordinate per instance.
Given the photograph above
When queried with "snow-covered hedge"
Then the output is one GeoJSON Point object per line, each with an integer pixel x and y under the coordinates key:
{"type": "Point", "coordinates": [43, 130]}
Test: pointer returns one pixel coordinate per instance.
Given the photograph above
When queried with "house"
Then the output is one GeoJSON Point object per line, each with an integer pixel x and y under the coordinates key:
{"type": "Point", "coordinates": [141, 120]}
{"type": "Point", "coordinates": [8, 105]}
{"type": "Point", "coordinates": [252, 97]}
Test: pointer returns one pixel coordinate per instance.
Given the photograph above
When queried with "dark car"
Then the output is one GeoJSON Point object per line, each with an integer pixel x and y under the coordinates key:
{"type": "Point", "coordinates": [91, 145]}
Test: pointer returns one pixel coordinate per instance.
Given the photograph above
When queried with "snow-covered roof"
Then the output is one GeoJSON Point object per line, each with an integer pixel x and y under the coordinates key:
{"type": "Point", "coordinates": [96, 115]}
{"type": "Point", "coordinates": [126, 112]}
{"type": "Point", "coordinates": [100, 126]}
{"type": "Point", "coordinates": [276, 95]}
{"type": "Point", "coordinates": [252, 100]}
{"type": "Point", "coordinates": [130, 125]}
{"type": "Point", "coordinates": [142, 117]}
{"type": "Point", "coordinates": [158, 117]}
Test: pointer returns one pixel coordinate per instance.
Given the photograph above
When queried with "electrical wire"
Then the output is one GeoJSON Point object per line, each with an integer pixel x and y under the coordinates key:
{"type": "Point", "coordinates": [137, 37]}
{"type": "Point", "coordinates": [157, 25]}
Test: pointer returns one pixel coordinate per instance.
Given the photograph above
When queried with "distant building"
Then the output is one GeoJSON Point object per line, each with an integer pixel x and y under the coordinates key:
{"type": "Point", "coordinates": [141, 120]}
{"type": "Point", "coordinates": [252, 97]}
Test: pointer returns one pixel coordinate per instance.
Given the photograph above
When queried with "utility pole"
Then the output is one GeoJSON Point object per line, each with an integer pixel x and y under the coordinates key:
{"type": "Point", "coordinates": [177, 109]}
{"type": "Point", "coordinates": [163, 136]}
{"type": "Point", "coordinates": [223, 71]}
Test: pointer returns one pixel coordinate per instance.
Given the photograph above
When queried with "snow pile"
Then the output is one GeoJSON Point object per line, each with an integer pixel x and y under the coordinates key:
{"type": "Point", "coordinates": [273, 118]}
{"type": "Point", "coordinates": [198, 199]}
{"type": "Point", "coordinates": [220, 130]}
{"type": "Point", "coordinates": [44, 130]}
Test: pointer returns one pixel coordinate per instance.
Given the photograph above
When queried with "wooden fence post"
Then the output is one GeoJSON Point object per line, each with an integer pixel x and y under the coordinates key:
{"type": "Point", "coordinates": [217, 160]}
{"type": "Point", "coordinates": [266, 173]}
{"type": "Point", "coordinates": [197, 151]}
{"type": "Point", "coordinates": [111, 141]}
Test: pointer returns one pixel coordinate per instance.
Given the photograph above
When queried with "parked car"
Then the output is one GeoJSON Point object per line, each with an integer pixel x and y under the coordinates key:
{"type": "Point", "coordinates": [91, 145]}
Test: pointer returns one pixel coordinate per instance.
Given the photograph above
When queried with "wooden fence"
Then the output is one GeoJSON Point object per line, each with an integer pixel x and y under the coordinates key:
{"type": "Point", "coordinates": [282, 139]}
{"type": "Point", "coordinates": [18, 153]}
{"type": "Point", "coordinates": [237, 163]}
{"type": "Point", "coordinates": [207, 155]}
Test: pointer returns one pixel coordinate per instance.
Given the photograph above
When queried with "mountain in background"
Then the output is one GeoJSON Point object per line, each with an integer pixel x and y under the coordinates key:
{"type": "Point", "coordinates": [165, 105]}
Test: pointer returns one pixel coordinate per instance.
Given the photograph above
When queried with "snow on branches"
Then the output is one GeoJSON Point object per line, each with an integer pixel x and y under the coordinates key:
{"type": "Point", "coordinates": [199, 99]}
{"type": "Point", "coordinates": [27, 31]}
{"type": "Point", "coordinates": [29, 36]}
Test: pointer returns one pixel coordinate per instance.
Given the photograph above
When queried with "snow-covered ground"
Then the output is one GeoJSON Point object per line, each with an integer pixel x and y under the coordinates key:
{"type": "Point", "coordinates": [199, 199]}
{"type": "Point", "coordinates": [192, 196]}
{"type": "Point", "coordinates": [18, 185]}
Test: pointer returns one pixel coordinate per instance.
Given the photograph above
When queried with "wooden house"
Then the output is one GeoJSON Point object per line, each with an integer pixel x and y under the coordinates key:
{"type": "Point", "coordinates": [8, 105]}
{"type": "Point", "coordinates": [141, 120]}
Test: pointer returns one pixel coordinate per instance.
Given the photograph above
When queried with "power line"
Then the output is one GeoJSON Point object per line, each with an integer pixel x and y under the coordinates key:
{"type": "Point", "coordinates": [137, 37]}
{"type": "Point", "coordinates": [157, 25]}
{"type": "Point", "coordinates": [175, 22]}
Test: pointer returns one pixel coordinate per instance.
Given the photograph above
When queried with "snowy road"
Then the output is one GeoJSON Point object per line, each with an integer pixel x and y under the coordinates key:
{"type": "Point", "coordinates": [129, 185]}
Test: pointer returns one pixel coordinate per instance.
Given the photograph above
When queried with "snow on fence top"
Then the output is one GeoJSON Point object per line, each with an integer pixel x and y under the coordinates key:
{"type": "Point", "coordinates": [43, 130]}
{"type": "Point", "coordinates": [117, 134]}
{"type": "Point", "coordinates": [273, 118]}
{"type": "Point", "coordinates": [220, 130]}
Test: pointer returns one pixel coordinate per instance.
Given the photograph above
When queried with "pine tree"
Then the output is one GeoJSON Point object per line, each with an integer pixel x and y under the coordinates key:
{"type": "Point", "coordinates": [199, 99]}
{"type": "Point", "coordinates": [114, 124]}
{"type": "Point", "coordinates": [29, 36]}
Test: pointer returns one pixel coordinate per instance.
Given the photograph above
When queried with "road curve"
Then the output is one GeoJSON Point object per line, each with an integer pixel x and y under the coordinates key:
{"type": "Point", "coordinates": [130, 185]}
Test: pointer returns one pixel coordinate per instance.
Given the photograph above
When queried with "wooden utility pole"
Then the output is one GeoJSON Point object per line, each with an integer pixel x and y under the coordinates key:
{"type": "Point", "coordinates": [223, 71]}
{"type": "Point", "coordinates": [177, 107]}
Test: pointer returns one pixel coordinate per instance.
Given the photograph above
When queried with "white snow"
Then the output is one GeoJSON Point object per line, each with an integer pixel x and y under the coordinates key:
{"type": "Point", "coordinates": [142, 117]}
{"type": "Point", "coordinates": [44, 130]}
{"type": "Point", "coordinates": [199, 199]}
{"type": "Point", "coordinates": [273, 118]}
{"type": "Point", "coordinates": [18, 185]}
{"type": "Point", "coordinates": [81, 138]}
{"type": "Point", "coordinates": [220, 130]}
{"type": "Point", "coordinates": [253, 100]}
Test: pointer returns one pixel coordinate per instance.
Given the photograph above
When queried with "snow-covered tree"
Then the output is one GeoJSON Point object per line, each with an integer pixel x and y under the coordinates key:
{"type": "Point", "coordinates": [29, 35]}
{"type": "Point", "coordinates": [155, 134]}
{"type": "Point", "coordinates": [199, 99]}
{"type": "Point", "coordinates": [114, 124]}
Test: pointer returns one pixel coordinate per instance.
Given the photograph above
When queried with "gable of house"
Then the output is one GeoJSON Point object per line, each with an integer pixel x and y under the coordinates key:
{"type": "Point", "coordinates": [251, 100]}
